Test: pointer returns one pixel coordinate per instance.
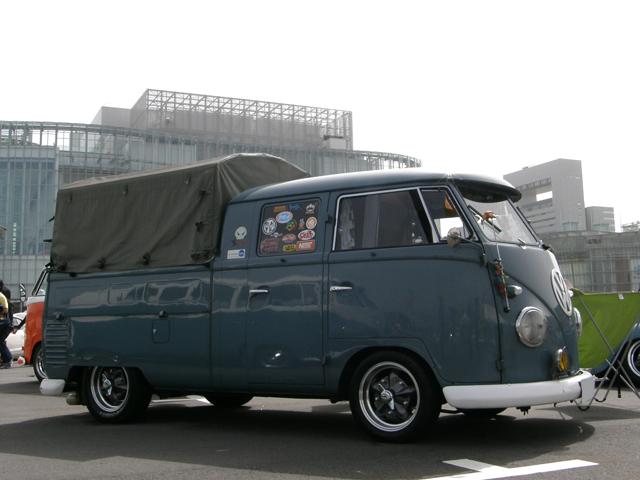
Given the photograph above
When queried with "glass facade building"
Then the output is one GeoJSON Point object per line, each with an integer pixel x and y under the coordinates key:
{"type": "Point", "coordinates": [37, 158]}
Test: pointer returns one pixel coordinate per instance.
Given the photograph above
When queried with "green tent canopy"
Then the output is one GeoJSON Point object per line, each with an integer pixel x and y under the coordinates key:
{"type": "Point", "coordinates": [615, 314]}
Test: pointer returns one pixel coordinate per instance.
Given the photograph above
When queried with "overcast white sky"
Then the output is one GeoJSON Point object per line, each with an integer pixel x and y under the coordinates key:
{"type": "Point", "coordinates": [465, 86]}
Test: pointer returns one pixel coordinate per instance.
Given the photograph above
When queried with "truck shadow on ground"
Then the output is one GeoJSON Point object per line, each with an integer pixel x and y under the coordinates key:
{"type": "Point", "coordinates": [323, 442]}
{"type": "Point", "coordinates": [20, 388]}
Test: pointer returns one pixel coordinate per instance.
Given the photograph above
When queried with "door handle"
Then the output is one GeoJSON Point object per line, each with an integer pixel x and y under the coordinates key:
{"type": "Point", "coordinates": [258, 290]}
{"type": "Point", "coordinates": [340, 289]}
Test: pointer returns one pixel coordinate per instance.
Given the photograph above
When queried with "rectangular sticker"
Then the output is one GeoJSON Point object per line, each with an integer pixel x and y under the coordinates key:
{"type": "Point", "coordinates": [310, 245]}
{"type": "Point", "coordinates": [235, 254]}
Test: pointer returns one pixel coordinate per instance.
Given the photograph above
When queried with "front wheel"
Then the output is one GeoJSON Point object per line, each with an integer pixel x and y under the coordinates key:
{"type": "Point", "coordinates": [116, 394]}
{"type": "Point", "coordinates": [393, 398]}
{"type": "Point", "coordinates": [631, 362]}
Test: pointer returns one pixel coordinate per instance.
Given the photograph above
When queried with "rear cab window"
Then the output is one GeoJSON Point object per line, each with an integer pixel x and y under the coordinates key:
{"type": "Point", "coordinates": [289, 228]}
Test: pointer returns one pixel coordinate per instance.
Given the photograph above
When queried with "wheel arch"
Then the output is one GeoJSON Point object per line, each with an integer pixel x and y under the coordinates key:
{"type": "Point", "coordinates": [358, 357]}
{"type": "Point", "coordinates": [29, 356]}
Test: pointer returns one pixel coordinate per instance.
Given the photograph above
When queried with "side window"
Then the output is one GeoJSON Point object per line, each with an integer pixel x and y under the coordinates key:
{"type": "Point", "coordinates": [382, 220]}
{"type": "Point", "coordinates": [288, 228]}
{"type": "Point", "coordinates": [443, 213]}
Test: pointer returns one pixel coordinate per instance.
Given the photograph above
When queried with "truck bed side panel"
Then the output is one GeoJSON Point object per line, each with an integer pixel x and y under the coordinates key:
{"type": "Point", "coordinates": [157, 321]}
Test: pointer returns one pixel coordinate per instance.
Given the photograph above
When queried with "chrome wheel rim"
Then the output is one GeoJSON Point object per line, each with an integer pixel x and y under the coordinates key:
{"type": "Point", "coordinates": [109, 388]}
{"type": "Point", "coordinates": [389, 396]}
{"type": "Point", "coordinates": [633, 359]}
{"type": "Point", "coordinates": [40, 364]}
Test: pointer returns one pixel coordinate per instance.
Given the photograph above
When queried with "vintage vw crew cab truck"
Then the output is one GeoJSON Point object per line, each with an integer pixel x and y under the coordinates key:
{"type": "Point", "coordinates": [398, 291]}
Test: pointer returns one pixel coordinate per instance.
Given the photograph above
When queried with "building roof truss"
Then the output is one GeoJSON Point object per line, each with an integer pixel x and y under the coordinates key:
{"type": "Point", "coordinates": [169, 102]}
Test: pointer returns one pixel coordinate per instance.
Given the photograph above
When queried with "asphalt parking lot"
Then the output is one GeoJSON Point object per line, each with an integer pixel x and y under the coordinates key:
{"type": "Point", "coordinates": [187, 438]}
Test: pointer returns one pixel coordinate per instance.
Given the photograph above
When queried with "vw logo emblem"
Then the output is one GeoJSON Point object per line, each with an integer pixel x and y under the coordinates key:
{"type": "Point", "coordinates": [562, 292]}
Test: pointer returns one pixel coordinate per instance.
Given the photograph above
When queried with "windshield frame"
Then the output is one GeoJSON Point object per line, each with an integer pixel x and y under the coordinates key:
{"type": "Point", "coordinates": [497, 218]}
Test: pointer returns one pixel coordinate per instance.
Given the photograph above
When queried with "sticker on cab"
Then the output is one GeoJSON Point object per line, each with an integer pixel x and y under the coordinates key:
{"type": "Point", "coordinates": [236, 254]}
{"type": "Point", "coordinates": [241, 232]}
{"type": "Point", "coordinates": [306, 235]}
{"type": "Point", "coordinates": [284, 217]}
{"type": "Point", "coordinates": [269, 245]}
{"type": "Point", "coordinates": [311, 223]}
{"type": "Point", "coordinates": [289, 238]}
{"type": "Point", "coordinates": [269, 226]}
{"type": "Point", "coordinates": [309, 245]}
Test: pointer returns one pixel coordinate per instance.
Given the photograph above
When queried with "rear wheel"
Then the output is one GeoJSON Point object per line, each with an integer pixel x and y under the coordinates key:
{"type": "Point", "coordinates": [631, 362]}
{"type": "Point", "coordinates": [228, 400]}
{"type": "Point", "coordinates": [393, 398]}
{"type": "Point", "coordinates": [38, 363]}
{"type": "Point", "coordinates": [116, 394]}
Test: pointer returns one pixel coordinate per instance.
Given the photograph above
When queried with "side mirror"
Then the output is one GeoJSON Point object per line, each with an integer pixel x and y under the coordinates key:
{"type": "Point", "coordinates": [454, 238]}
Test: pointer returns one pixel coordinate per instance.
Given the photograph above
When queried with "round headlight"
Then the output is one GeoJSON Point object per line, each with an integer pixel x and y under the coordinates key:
{"type": "Point", "coordinates": [531, 327]}
{"type": "Point", "coordinates": [577, 318]}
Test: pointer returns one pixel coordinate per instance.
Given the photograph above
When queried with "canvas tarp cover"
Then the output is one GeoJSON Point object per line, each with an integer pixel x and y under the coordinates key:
{"type": "Point", "coordinates": [615, 314]}
{"type": "Point", "coordinates": [165, 217]}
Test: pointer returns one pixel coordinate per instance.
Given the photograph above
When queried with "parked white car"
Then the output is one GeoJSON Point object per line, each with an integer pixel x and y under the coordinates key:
{"type": "Point", "coordinates": [15, 341]}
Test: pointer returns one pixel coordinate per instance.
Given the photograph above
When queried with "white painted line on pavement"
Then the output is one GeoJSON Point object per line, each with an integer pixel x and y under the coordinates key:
{"type": "Point", "coordinates": [484, 471]}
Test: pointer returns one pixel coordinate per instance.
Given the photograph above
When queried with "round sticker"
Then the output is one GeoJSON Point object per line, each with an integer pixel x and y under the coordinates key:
{"type": "Point", "coordinates": [269, 226]}
{"type": "Point", "coordinates": [312, 222]}
{"type": "Point", "coordinates": [289, 238]}
{"type": "Point", "coordinates": [284, 217]}
{"type": "Point", "coordinates": [306, 235]}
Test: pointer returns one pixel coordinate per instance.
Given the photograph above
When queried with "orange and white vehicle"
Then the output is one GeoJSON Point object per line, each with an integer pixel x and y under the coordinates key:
{"type": "Point", "coordinates": [33, 328]}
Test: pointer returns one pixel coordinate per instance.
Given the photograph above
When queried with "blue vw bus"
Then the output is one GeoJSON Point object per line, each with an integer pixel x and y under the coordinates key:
{"type": "Point", "coordinates": [398, 291]}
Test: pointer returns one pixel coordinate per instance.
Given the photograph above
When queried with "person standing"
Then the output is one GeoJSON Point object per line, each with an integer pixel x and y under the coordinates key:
{"type": "Point", "coordinates": [6, 325]}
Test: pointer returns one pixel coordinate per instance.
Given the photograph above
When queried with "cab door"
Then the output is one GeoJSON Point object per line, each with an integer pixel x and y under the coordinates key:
{"type": "Point", "coordinates": [394, 281]}
{"type": "Point", "coordinates": [284, 304]}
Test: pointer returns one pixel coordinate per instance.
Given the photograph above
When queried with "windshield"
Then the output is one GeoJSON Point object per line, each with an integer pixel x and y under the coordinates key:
{"type": "Point", "coordinates": [500, 221]}
{"type": "Point", "coordinates": [41, 284]}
